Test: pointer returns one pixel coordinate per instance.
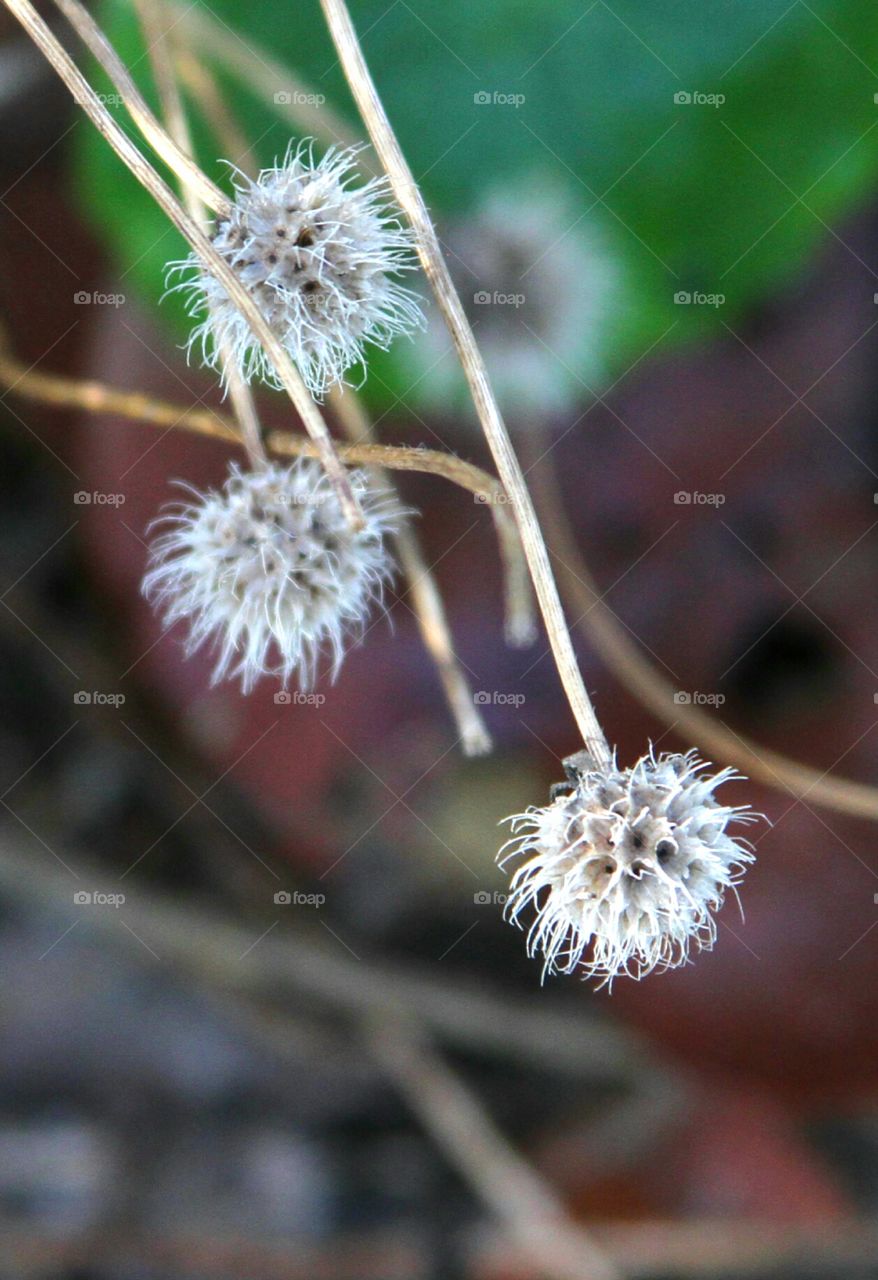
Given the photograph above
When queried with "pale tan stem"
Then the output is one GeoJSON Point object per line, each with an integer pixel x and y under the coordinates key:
{"type": "Point", "coordinates": [96, 397]}
{"type": "Point", "coordinates": [201, 83]}
{"type": "Point", "coordinates": [158, 137]}
{"type": "Point", "coordinates": [152, 17]}
{"type": "Point", "coordinates": [426, 598]}
{"type": "Point", "coordinates": [624, 657]}
{"type": "Point", "coordinates": [511, 1188]}
{"type": "Point", "coordinates": [266, 77]}
{"type": "Point", "coordinates": [134, 160]}
{"type": "Point", "coordinates": [410, 199]}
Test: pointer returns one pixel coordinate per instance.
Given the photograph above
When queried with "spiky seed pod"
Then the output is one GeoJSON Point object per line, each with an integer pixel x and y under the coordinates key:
{"type": "Point", "coordinates": [625, 870]}
{"type": "Point", "coordinates": [318, 255]}
{"type": "Point", "coordinates": [268, 570]}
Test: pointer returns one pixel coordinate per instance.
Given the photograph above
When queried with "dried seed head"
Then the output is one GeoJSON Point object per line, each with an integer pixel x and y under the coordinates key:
{"type": "Point", "coordinates": [541, 288]}
{"type": "Point", "coordinates": [268, 570]}
{"type": "Point", "coordinates": [317, 255]}
{"type": "Point", "coordinates": [625, 871]}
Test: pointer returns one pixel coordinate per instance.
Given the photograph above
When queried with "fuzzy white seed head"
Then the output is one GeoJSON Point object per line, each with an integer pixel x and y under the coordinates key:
{"type": "Point", "coordinates": [625, 870]}
{"type": "Point", "coordinates": [317, 255]}
{"type": "Point", "coordinates": [268, 571]}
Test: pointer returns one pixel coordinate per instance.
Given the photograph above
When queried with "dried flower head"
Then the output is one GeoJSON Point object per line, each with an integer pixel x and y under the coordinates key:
{"type": "Point", "coordinates": [269, 571]}
{"type": "Point", "coordinates": [542, 289]}
{"type": "Point", "coordinates": [317, 254]}
{"type": "Point", "coordinates": [625, 869]}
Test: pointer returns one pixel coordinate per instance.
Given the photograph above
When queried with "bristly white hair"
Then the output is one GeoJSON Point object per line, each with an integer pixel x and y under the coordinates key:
{"type": "Point", "coordinates": [625, 870]}
{"type": "Point", "coordinates": [269, 572]}
{"type": "Point", "coordinates": [318, 255]}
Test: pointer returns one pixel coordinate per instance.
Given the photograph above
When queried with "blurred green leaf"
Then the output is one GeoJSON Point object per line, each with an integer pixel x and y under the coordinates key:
{"type": "Point", "coordinates": [727, 199]}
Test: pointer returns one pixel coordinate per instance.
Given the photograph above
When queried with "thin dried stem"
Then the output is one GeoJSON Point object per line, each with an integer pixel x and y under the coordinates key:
{"type": "Point", "coordinates": [411, 201]}
{"type": "Point", "coordinates": [152, 16]}
{"type": "Point", "coordinates": [200, 82]}
{"type": "Point", "coordinates": [281, 89]}
{"type": "Point", "coordinates": [623, 656]}
{"type": "Point", "coordinates": [135, 161]}
{"type": "Point", "coordinates": [165, 146]}
{"type": "Point", "coordinates": [426, 598]}
{"type": "Point", "coordinates": [134, 406]}
{"type": "Point", "coordinates": [511, 1188]}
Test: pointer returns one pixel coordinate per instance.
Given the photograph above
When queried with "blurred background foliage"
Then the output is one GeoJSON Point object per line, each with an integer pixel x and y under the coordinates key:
{"type": "Point", "coordinates": [726, 197]}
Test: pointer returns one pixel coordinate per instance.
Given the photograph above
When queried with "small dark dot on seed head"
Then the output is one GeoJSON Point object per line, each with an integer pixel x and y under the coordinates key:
{"type": "Point", "coordinates": [609, 868]}
{"type": "Point", "coordinates": [272, 258]}
{"type": "Point", "coordinates": [280, 232]}
{"type": "Point", "coordinates": [663, 850]}
{"type": "Point", "coordinates": [310, 286]}
{"type": "Point", "coordinates": [305, 239]}
{"type": "Point", "coordinates": [637, 842]}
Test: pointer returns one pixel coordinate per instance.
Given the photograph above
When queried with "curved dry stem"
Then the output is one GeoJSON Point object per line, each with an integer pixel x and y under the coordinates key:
{"type": "Point", "coordinates": [624, 658]}
{"type": "Point", "coordinates": [160, 139]}
{"type": "Point", "coordinates": [134, 406]}
{"type": "Point", "coordinates": [428, 607]}
{"type": "Point", "coordinates": [410, 199]}
{"type": "Point", "coordinates": [143, 171]}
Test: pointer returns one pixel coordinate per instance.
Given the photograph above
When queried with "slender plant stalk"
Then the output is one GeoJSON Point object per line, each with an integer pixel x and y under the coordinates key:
{"type": "Point", "coordinates": [428, 607]}
{"type": "Point", "coordinates": [152, 17]}
{"type": "Point", "coordinates": [201, 83]}
{"type": "Point", "coordinates": [533, 1215]}
{"type": "Point", "coordinates": [426, 599]}
{"type": "Point", "coordinates": [258, 70]}
{"type": "Point", "coordinates": [624, 657]}
{"type": "Point", "coordinates": [410, 199]}
{"type": "Point", "coordinates": [134, 406]}
{"type": "Point", "coordinates": [159, 138]}
{"type": "Point", "coordinates": [136, 162]}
